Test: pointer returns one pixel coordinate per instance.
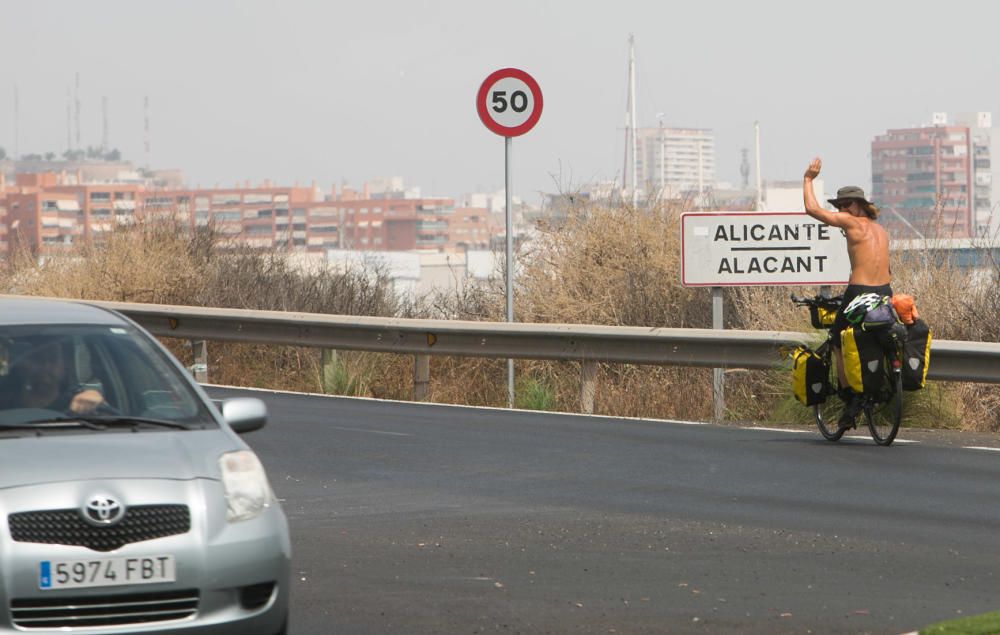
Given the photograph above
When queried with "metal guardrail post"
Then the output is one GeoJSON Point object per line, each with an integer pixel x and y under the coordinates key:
{"type": "Point", "coordinates": [200, 367]}
{"type": "Point", "coordinates": [328, 370]}
{"type": "Point", "coordinates": [421, 376]}
{"type": "Point", "coordinates": [718, 374]}
{"type": "Point", "coordinates": [588, 386]}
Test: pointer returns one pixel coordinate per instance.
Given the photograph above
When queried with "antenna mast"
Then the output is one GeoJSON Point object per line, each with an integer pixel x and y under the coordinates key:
{"type": "Point", "coordinates": [745, 167]}
{"type": "Point", "coordinates": [631, 116]}
{"type": "Point", "coordinates": [17, 126]}
{"type": "Point", "coordinates": [145, 114]}
{"type": "Point", "coordinates": [104, 132]}
{"type": "Point", "coordinates": [78, 144]}
{"type": "Point", "coordinates": [756, 133]}
{"type": "Point", "coordinates": [69, 119]}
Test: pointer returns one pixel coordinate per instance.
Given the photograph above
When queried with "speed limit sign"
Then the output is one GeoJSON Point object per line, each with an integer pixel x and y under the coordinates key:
{"type": "Point", "coordinates": [509, 102]}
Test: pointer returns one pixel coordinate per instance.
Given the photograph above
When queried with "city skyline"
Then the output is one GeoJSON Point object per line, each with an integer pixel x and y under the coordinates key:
{"type": "Point", "coordinates": [296, 92]}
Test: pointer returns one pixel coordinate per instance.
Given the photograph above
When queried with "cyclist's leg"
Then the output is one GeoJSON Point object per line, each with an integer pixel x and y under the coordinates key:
{"type": "Point", "coordinates": [838, 360]}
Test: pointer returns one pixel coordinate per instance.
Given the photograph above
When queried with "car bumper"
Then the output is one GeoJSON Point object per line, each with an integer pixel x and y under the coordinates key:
{"type": "Point", "coordinates": [226, 566]}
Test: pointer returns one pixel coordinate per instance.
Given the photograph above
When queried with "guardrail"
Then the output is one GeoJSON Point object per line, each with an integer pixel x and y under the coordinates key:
{"type": "Point", "coordinates": [590, 345]}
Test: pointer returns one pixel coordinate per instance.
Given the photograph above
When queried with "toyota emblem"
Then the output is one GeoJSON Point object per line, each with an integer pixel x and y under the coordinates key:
{"type": "Point", "coordinates": [102, 511]}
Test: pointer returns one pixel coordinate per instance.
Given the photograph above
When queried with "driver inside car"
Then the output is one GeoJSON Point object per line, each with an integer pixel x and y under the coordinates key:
{"type": "Point", "coordinates": [40, 379]}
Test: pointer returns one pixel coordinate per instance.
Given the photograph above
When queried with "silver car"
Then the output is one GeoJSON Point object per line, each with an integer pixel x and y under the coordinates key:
{"type": "Point", "coordinates": [128, 504]}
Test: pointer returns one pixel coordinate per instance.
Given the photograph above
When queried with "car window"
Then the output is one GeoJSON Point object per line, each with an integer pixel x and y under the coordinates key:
{"type": "Point", "coordinates": [100, 369]}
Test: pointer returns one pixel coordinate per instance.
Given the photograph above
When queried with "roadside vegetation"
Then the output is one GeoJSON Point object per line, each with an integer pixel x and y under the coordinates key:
{"type": "Point", "coordinates": [609, 265]}
{"type": "Point", "coordinates": [985, 624]}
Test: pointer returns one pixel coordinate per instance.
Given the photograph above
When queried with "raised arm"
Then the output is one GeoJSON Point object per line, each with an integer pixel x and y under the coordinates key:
{"type": "Point", "coordinates": [813, 208]}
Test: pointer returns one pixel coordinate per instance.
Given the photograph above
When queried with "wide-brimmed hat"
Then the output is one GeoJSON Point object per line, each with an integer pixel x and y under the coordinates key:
{"type": "Point", "coordinates": [849, 192]}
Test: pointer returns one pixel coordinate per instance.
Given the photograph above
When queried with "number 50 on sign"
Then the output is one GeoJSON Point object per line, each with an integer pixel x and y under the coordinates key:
{"type": "Point", "coordinates": [509, 102]}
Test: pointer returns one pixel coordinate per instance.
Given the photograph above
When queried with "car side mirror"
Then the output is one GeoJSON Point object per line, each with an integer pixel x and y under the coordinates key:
{"type": "Point", "coordinates": [244, 414]}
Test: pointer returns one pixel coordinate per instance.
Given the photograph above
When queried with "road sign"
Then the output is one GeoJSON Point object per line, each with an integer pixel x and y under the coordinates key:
{"type": "Point", "coordinates": [509, 102]}
{"type": "Point", "coordinates": [727, 249]}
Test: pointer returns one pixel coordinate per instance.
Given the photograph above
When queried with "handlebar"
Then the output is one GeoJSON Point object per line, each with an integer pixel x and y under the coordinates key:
{"type": "Point", "coordinates": [818, 300]}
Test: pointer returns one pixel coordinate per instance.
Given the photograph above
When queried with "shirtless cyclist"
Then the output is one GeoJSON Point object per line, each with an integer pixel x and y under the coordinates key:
{"type": "Point", "coordinates": [868, 249]}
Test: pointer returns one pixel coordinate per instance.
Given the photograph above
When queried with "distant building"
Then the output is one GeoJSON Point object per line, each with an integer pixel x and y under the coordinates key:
{"type": "Point", "coordinates": [786, 196]}
{"type": "Point", "coordinates": [935, 181]}
{"type": "Point", "coordinates": [93, 171]}
{"type": "Point", "coordinates": [675, 160]}
{"type": "Point", "coordinates": [50, 213]}
{"type": "Point", "coordinates": [40, 221]}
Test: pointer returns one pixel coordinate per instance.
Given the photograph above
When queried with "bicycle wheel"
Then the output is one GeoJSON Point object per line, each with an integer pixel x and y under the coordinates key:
{"type": "Point", "coordinates": [828, 413]}
{"type": "Point", "coordinates": [884, 416]}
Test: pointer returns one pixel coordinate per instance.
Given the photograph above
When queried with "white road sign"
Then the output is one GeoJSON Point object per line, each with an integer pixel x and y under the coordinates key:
{"type": "Point", "coordinates": [726, 249]}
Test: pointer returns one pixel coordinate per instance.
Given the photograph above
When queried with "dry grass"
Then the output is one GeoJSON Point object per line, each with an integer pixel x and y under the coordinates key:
{"type": "Point", "coordinates": [160, 262]}
{"type": "Point", "coordinates": [606, 265]}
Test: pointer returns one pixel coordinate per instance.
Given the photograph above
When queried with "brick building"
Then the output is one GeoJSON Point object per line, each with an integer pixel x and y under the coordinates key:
{"type": "Point", "coordinates": [933, 181]}
{"type": "Point", "coordinates": [47, 215]}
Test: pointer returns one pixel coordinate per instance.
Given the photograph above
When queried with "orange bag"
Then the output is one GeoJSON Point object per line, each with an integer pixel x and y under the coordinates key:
{"type": "Point", "coordinates": [905, 307]}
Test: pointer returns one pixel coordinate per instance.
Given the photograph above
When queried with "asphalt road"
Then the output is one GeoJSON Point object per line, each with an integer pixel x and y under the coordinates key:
{"type": "Point", "coordinates": [411, 518]}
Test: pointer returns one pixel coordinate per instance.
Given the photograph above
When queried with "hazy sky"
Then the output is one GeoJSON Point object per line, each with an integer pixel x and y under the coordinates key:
{"type": "Point", "coordinates": [348, 91]}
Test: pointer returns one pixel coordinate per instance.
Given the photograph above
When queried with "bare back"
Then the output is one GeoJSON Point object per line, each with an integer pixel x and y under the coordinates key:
{"type": "Point", "coordinates": [868, 248]}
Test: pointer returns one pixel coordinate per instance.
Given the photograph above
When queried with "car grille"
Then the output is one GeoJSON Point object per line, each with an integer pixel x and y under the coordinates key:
{"type": "Point", "coordinates": [111, 610]}
{"type": "Point", "coordinates": [67, 527]}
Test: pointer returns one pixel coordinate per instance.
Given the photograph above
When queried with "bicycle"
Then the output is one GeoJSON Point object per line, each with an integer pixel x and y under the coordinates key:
{"type": "Point", "coordinates": [882, 405]}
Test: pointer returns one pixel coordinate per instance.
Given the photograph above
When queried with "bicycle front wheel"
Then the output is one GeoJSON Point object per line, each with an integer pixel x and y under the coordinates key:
{"type": "Point", "coordinates": [883, 418]}
{"type": "Point", "coordinates": [828, 413]}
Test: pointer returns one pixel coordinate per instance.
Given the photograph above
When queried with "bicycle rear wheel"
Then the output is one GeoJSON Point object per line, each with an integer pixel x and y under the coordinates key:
{"type": "Point", "coordinates": [828, 413]}
{"type": "Point", "coordinates": [884, 417]}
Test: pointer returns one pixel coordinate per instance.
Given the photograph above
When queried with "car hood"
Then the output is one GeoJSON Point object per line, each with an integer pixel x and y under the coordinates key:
{"type": "Point", "coordinates": [108, 455]}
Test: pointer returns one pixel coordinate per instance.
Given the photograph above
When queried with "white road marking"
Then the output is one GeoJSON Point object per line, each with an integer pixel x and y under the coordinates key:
{"type": "Point", "coordinates": [455, 405]}
{"type": "Point", "coordinates": [865, 437]}
{"type": "Point", "coordinates": [980, 447]}
{"type": "Point", "coordinates": [394, 434]}
{"type": "Point", "coordinates": [779, 429]}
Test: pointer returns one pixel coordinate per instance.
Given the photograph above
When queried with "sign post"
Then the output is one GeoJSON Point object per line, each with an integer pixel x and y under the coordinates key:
{"type": "Point", "coordinates": [509, 103]}
{"type": "Point", "coordinates": [727, 249]}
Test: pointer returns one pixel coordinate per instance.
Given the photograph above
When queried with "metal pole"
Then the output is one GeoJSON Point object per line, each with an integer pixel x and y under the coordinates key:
{"type": "Point", "coordinates": [718, 378]}
{"type": "Point", "coordinates": [662, 156]}
{"type": "Point", "coordinates": [631, 99]}
{"type": "Point", "coordinates": [509, 264]}
{"type": "Point", "coordinates": [200, 367]}
{"type": "Point", "coordinates": [588, 386]}
{"type": "Point", "coordinates": [328, 372]}
{"type": "Point", "coordinates": [756, 133]}
{"type": "Point", "coordinates": [701, 175]}
{"type": "Point", "coordinates": [421, 376]}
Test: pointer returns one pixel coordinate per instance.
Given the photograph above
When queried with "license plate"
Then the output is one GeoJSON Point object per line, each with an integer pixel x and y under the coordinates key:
{"type": "Point", "coordinates": [74, 574]}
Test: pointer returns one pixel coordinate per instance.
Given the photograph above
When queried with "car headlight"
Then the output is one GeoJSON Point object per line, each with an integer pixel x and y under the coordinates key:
{"type": "Point", "coordinates": [247, 491]}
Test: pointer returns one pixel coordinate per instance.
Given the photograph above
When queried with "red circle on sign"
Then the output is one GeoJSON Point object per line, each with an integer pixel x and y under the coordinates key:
{"type": "Point", "coordinates": [483, 107]}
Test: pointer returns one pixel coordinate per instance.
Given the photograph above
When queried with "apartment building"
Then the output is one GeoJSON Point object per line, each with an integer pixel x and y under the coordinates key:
{"type": "Point", "coordinates": [675, 160]}
{"type": "Point", "coordinates": [52, 216]}
{"type": "Point", "coordinates": [40, 220]}
{"type": "Point", "coordinates": [396, 224]}
{"type": "Point", "coordinates": [3, 221]}
{"type": "Point", "coordinates": [934, 181]}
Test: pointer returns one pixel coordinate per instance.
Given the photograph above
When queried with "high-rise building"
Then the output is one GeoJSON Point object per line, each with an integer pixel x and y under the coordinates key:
{"type": "Point", "coordinates": [934, 181]}
{"type": "Point", "coordinates": [675, 160]}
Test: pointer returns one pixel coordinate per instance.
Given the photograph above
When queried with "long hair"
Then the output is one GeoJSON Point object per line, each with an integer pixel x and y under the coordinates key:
{"type": "Point", "coordinates": [870, 209]}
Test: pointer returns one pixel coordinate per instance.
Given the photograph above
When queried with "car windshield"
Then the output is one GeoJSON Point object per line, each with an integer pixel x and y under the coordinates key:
{"type": "Point", "coordinates": [97, 377]}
